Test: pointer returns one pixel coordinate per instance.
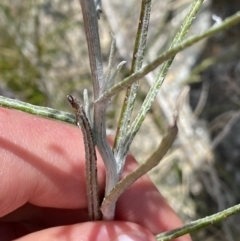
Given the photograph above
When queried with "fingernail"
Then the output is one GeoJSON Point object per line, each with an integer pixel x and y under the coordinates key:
{"type": "Point", "coordinates": [130, 237]}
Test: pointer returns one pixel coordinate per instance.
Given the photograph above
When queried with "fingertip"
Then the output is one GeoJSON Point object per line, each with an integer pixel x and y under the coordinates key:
{"type": "Point", "coordinates": [93, 231]}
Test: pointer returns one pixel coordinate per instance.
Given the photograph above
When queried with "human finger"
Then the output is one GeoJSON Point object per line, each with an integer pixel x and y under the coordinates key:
{"type": "Point", "coordinates": [93, 231]}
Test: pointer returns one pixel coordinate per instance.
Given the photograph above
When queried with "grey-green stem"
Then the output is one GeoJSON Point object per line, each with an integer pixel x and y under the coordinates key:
{"type": "Point", "coordinates": [199, 224]}
{"type": "Point", "coordinates": [131, 93]}
{"type": "Point", "coordinates": [99, 126]}
{"type": "Point", "coordinates": [227, 23]}
{"type": "Point", "coordinates": [150, 163]}
{"type": "Point", "coordinates": [38, 110]}
{"type": "Point", "coordinates": [152, 93]}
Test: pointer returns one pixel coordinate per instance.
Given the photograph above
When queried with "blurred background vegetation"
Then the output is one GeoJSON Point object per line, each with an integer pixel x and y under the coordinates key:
{"type": "Point", "coordinates": [43, 57]}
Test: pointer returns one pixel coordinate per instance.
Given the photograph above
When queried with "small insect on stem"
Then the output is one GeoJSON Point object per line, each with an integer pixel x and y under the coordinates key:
{"type": "Point", "coordinates": [90, 158]}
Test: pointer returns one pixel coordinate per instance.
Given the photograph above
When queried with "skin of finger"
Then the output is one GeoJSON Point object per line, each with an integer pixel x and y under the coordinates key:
{"type": "Point", "coordinates": [92, 231]}
{"type": "Point", "coordinates": [45, 167]}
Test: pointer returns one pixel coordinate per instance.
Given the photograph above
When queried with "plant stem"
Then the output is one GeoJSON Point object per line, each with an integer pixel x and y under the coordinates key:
{"type": "Point", "coordinates": [227, 23]}
{"type": "Point", "coordinates": [200, 223]}
{"type": "Point", "coordinates": [138, 54]}
{"type": "Point", "coordinates": [69, 118]}
{"type": "Point", "coordinates": [93, 42]}
{"type": "Point", "coordinates": [90, 159]}
{"type": "Point", "coordinates": [99, 124]}
{"type": "Point", "coordinates": [150, 163]}
{"type": "Point", "coordinates": [38, 110]}
{"type": "Point", "coordinates": [160, 78]}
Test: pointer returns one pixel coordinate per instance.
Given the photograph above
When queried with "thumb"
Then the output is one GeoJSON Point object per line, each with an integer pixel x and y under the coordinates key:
{"type": "Point", "coordinates": [93, 231]}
